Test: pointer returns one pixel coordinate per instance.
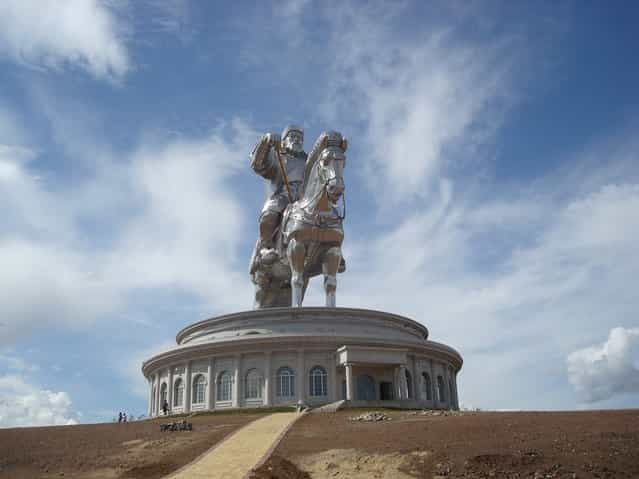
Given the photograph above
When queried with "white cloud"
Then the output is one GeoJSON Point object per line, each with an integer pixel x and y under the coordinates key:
{"type": "Point", "coordinates": [52, 34]}
{"type": "Point", "coordinates": [24, 404]}
{"type": "Point", "coordinates": [14, 363]}
{"type": "Point", "coordinates": [428, 101]}
{"type": "Point", "coordinates": [602, 371]}
{"type": "Point", "coordinates": [190, 220]}
{"type": "Point", "coordinates": [45, 284]}
{"type": "Point", "coordinates": [514, 282]}
{"type": "Point", "coordinates": [173, 223]}
{"type": "Point", "coordinates": [514, 275]}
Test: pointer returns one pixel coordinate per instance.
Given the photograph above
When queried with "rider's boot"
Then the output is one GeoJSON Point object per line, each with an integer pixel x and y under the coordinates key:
{"type": "Point", "coordinates": [268, 225]}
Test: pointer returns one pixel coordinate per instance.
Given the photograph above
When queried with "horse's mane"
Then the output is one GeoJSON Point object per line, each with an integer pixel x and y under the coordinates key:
{"type": "Point", "coordinates": [326, 139]}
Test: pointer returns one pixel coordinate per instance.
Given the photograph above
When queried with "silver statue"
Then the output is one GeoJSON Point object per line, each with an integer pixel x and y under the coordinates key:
{"type": "Point", "coordinates": [300, 232]}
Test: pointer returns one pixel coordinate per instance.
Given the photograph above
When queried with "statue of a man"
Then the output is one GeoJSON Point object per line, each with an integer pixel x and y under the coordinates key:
{"type": "Point", "coordinates": [281, 161]}
{"type": "Point", "coordinates": [265, 163]}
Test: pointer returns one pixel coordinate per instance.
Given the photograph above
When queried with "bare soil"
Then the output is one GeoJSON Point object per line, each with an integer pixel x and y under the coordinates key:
{"type": "Point", "coordinates": [539, 445]}
{"type": "Point", "coordinates": [134, 450]}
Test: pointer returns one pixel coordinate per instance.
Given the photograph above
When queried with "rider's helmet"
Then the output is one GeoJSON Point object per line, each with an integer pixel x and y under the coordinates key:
{"type": "Point", "coordinates": [294, 143]}
{"type": "Point", "coordinates": [291, 128]}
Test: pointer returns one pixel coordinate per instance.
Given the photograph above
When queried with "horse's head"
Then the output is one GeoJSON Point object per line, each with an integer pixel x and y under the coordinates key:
{"type": "Point", "coordinates": [325, 167]}
{"type": "Point", "coordinates": [330, 170]}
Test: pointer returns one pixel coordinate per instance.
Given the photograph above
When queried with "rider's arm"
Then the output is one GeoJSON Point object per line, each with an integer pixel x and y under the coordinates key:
{"type": "Point", "coordinates": [263, 160]}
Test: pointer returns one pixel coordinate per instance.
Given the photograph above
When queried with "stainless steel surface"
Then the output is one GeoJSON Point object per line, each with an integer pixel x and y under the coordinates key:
{"type": "Point", "coordinates": [302, 238]}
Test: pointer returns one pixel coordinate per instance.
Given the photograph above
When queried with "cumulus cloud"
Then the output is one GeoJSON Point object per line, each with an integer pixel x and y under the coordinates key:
{"type": "Point", "coordinates": [163, 235]}
{"type": "Point", "coordinates": [602, 371]}
{"type": "Point", "coordinates": [82, 33]}
{"type": "Point", "coordinates": [24, 404]}
{"type": "Point", "coordinates": [190, 220]}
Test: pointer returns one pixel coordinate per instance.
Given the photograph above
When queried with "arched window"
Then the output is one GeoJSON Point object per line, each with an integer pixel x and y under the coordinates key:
{"type": "Point", "coordinates": [285, 384]}
{"type": "Point", "coordinates": [427, 387]}
{"type": "Point", "coordinates": [225, 386]}
{"type": "Point", "coordinates": [441, 392]}
{"type": "Point", "coordinates": [163, 394]}
{"type": "Point", "coordinates": [317, 381]}
{"type": "Point", "coordinates": [199, 389]}
{"type": "Point", "coordinates": [178, 393]}
{"type": "Point", "coordinates": [253, 387]}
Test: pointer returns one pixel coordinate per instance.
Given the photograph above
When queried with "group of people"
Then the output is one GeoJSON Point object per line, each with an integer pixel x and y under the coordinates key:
{"type": "Point", "coordinates": [122, 417]}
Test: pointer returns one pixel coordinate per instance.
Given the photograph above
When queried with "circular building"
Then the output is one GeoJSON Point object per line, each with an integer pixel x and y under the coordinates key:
{"type": "Point", "coordinates": [313, 355]}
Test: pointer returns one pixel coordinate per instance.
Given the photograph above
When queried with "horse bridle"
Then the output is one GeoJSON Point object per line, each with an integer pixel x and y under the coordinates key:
{"type": "Point", "coordinates": [324, 187]}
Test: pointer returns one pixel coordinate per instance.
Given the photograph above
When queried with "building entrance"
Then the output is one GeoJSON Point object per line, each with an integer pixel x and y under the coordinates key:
{"type": "Point", "coordinates": [386, 391]}
{"type": "Point", "coordinates": [365, 388]}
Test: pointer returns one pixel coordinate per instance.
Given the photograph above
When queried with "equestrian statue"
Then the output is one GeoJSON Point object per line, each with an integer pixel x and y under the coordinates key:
{"type": "Point", "coordinates": [300, 227]}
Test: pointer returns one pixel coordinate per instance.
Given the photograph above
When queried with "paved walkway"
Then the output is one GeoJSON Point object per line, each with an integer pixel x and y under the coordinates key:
{"type": "Point", "coordinates": [234, 457]}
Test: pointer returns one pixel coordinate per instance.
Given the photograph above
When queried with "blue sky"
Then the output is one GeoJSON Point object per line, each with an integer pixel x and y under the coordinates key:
{"type": "Point", "coordinates": [492, 185]}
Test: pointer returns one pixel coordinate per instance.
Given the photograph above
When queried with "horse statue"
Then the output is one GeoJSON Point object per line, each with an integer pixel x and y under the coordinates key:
{"type": "Point", "coordinates": [309, 238]}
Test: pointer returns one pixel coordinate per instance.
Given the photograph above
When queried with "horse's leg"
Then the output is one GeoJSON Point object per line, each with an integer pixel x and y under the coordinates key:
{"type": "Point", "coordinates": [296, 252]}
{"type": "Point", "coordinates": [330, 265]}
{"type": "Point", "coordinates": [305, 286]}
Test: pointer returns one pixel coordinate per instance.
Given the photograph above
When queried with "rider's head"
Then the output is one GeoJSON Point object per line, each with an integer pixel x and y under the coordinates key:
{"type": "Point", "coordinates": [293, 138]}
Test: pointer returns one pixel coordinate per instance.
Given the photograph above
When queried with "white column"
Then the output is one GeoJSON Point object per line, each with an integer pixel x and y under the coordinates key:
{"type": "Point", "coordinates": [453, 388]}
{"type": "Point", "coordinates": [456, 392]}
{"type": "Point", "coordinates": [433, 384]}
{"type": "Point", "coordinates": [349, 381]}
{"type": "Point", "coordinates": [150, 408]}
{"type": "Point", "coordinates": [210, 390]}
{"type": "Point", "coordinates": [414, 377]}
{"type": "Point", "coordinates": [236, 381]}
{"type": "Point", "coordinates": [403, 382]}
{"type": "Point", "coordinates": [267, 379]}
{"type": "Point", "coordinates": [187, 387]}
{"type": "Point", "coordinates": [332, 374]}
{"type": "Point", "coordinates": [158, 406]}
{"type": "Point", "coordinates": [301, 377]}
{"type": "Point", "coordinates": [446, 388]}
{"type": "Point", "coordinates": [397, 383]}
{"type": "Point", "coordinates": [417, 385]}
{"type": "Point", "coordinates": [169, 388]}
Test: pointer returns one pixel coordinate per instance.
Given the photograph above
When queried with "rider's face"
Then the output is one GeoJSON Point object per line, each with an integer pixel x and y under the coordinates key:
{"type": "Point", "coordinates": [294, 141]}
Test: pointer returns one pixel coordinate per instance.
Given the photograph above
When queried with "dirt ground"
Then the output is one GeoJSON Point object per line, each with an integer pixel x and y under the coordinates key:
{"type": "Point", "coordinates": [134, 450]}
{"type": "Point", "coordinates": [539, 445]}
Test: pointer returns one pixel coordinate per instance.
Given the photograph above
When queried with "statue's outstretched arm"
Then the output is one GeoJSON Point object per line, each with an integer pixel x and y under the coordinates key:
{"type": "Point", "coordinates": [262, 160]}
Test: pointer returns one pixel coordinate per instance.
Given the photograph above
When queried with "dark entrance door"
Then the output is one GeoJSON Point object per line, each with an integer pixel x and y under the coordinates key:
{"type": "Point", "coordinates": [386, 391]}
{"type": "Point", "coordinates": [365, 388]}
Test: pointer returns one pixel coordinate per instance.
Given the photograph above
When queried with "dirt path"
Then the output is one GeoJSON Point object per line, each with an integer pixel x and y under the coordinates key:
{"type": "Point", "coordinates": [234, 457]}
